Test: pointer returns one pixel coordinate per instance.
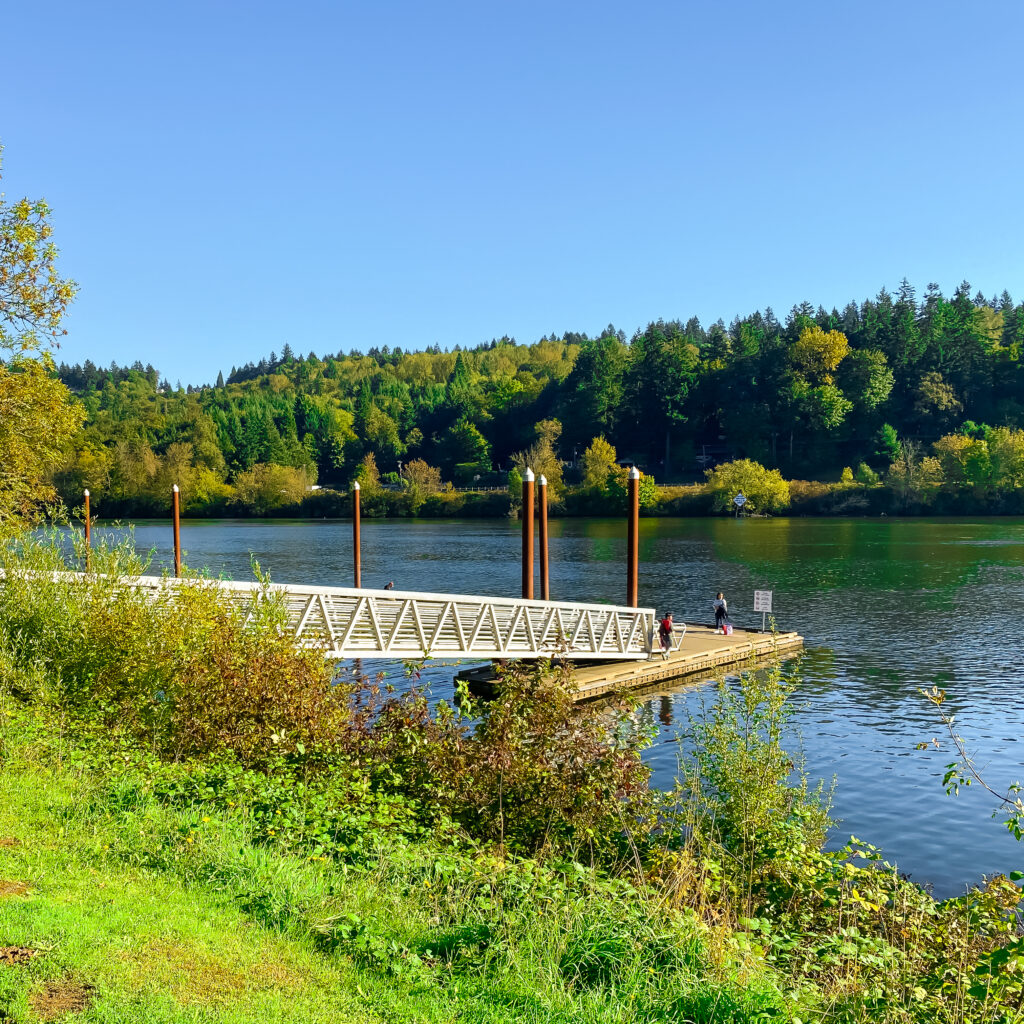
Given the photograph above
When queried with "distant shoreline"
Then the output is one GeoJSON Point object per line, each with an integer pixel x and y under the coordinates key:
{"type": "Point", "coordinates": [149, 520]}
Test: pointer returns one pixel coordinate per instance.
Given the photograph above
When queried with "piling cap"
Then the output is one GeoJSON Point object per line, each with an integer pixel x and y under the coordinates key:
{"type": "Point", "coordinates": [87, 492]}
{"type": "Point", "coordinates": [543, 481]}
{"type": "Point", "coordinates": [175, 488]}
{"type": "Point", "coordinates": [634, 473]}
{"type": "Point", "coordinates": [528, 475]}
{"type": "Point", "coordinates": [355, 486]}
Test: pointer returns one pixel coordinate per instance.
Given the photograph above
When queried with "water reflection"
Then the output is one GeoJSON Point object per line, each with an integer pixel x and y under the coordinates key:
{"type": "Point", "coordinates": [886, 605]}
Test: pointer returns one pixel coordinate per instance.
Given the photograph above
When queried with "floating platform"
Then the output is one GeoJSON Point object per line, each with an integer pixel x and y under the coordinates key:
{"type": "Point", "coordinates": [700, 652]}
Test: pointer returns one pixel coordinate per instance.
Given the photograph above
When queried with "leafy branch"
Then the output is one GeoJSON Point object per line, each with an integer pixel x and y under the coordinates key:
{"type": "Point", "coordinates": [964, 771]}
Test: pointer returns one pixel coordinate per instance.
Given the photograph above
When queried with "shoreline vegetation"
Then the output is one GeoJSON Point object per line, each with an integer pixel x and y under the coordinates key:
{"type": "Point", "coordinates": [915, 492]}
{"type": "Point", "coordinates": [199, 821]}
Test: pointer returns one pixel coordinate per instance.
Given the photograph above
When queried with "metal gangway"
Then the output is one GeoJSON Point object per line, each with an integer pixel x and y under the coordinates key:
{"type": "Point", "coordinates": [350, 622]}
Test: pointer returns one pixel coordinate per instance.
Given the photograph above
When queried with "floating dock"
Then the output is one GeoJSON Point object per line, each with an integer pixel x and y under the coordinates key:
{"type": "Point", "coordinates": [700, 652]}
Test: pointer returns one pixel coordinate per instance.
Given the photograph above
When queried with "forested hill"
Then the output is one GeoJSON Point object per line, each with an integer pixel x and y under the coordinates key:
{"type": "Point", "coordinates": [808, 395]}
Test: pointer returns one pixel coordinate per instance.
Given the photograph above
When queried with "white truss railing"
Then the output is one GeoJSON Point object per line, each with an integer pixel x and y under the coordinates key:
{"type": "Point", "coordinates": [358, 623]}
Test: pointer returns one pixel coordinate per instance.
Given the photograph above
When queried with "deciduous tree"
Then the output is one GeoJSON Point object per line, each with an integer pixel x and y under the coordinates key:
{"type": "Point", "coordinates": [37, 424]}
{"type": "Point", "coordinates": [266, 487]}
{"type": "Point", "coordinates": [542, 458]}
{"type": "Point", "coordinates": [38, 418]}
{"type": "Point", "coordinates": [598, 464]}
{"type": "Point", "coordinates": [764, 489]}
{"type": "Point", "coordinates": [421, 477]}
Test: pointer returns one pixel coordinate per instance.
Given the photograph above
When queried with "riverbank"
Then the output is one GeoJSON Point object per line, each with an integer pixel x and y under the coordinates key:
{"type": "Point", "coordinates": [806, 498]}
{"type": "Point", "coordinates": [885, 605]}
{"type": "Point", "coordinates": [502, 861]}
{"type": "Point", "coordinates": [123, 903]}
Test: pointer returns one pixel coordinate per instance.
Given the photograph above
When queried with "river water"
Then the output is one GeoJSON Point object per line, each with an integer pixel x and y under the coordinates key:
{"type": "Point", "coordinates": [886, 606]}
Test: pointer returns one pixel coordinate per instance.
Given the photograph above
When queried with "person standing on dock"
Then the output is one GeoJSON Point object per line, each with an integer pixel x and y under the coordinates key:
{"type": "Point", "coordinates": [721, 610]}
{"type": "Point", "coordinates": [665, 634]}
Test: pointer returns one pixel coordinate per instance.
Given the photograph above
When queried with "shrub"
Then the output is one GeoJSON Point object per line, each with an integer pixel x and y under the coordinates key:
{"type": "Point", "coordinates": [265, 488]}
{"type": "Point", "coordinates": [421, 477]}
{"type": "Point", "coordinates": [738, 781]}
{"type": "Point", "coordinates": [683, 500]}
{"type": "Point", "coordinates": [598, 462]}
{"type": "Point", "coordinates": [866, 475]}
{"type": "Point", "coordinates": [618, 484]}
{"type": "Point", "coordinates": [189, 672]}
{"type": "Point", "coordinates": [529, 770]}
{"type": "Point", "coordinates": [764, 489]}
{"type": "Point", "coordinates": [184, 668]}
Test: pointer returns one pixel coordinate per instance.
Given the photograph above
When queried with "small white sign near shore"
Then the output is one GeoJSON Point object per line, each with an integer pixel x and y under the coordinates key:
{"type": "Point", "coordinates": [763, 604]}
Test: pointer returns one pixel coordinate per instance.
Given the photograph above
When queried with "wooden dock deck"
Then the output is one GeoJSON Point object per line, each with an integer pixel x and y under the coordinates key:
{"type": "Point", "coordinates": [700, 652]}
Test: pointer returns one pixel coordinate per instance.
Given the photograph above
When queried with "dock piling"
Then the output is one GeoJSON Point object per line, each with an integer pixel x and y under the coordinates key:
{"type": "Point", "coordinates": [176, 516]}
{"type": "Point", "coordinates": [528, 534]}
{"type": "Point", "coordinates": [88, 533]}
{"type": "Point", "coordinates": [542, 510]}
{"type": "Point", "coordinates": [357, 568]}
{"type": "Point", "coordinates": [632, 537]}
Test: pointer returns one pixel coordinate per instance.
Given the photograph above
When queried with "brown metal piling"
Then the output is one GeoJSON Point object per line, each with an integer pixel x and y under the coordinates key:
{"type": "Point", "coordinates": [88, 533]}
{"type": "Point", "coordinates": [357, 567]}
{"type": "Point", "coordinates": [542, 517]}
{"type": "Point", "coordinates": [632, 537]}
{"type": "Point", "coordinates": [176, 517]}
{"type": "Point", "coordinates": [528, 534]}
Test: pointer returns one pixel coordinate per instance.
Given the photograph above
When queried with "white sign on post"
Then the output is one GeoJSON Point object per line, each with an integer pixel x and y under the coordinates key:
{"type": "Point", "coordinates": [763, 604]}
{"type": "Point", "coordinates": [740, 500]}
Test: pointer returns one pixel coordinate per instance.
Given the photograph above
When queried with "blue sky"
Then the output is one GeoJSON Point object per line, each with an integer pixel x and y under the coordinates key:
{"type": "Point", "coordinates": [228, 177]}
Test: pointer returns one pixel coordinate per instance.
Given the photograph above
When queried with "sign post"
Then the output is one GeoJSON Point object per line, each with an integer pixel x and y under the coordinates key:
{"type": "Point", "coordinates": [763, 604]}
{"type": "Point", "coordinates": [739, 501]}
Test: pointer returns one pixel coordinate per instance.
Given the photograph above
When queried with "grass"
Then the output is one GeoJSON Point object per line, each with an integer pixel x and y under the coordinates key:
{"type": "Point", "coordinates": [150, 948]}
{"type": "Point", "coordinates": [138, 912]}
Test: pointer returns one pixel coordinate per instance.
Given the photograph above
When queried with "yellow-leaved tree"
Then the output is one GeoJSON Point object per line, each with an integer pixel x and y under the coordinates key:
{"type": "Point", "coordinates": [763, 489]}
{"type": "Point", "coordinates": [599, 463]}
{"type": "Point", "coordinates": [38, 417]}
{"type": "Point", "coordinates": [542, 457]}
{"type": "Point", "coordinates": [818, 353]}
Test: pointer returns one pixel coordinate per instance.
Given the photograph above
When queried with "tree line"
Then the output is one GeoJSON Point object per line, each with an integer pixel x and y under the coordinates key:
{"type": "Point", "coordinates": [808, 395]}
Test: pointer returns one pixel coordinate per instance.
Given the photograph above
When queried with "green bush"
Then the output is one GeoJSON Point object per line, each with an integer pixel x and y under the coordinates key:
{"type": "Point", "coordinates": [182, 668]}
{"type": "Point", "coordinates": [764, 489]}
{"type": "Point", "coordinates": [866, 475]}
{"type": "Point", "coordinates": [530, 770]}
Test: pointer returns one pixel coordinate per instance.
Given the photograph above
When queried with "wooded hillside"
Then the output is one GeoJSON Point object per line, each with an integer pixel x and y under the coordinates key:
{"type": "Point", "coordinates": [808, 395]}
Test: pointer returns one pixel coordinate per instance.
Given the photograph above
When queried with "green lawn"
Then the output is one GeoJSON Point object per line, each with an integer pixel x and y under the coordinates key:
{"type": "Point", "coordinates": [148, 948]}
{"type": "Point", "coordinates": [137, 912]}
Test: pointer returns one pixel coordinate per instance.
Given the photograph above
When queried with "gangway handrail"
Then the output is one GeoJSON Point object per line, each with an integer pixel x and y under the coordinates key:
{"type": "Point", "coordinates": [350, 622]}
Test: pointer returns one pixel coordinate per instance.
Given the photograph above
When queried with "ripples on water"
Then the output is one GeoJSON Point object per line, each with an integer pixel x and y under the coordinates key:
{"type": "Point", "coordinates": [886, 606]}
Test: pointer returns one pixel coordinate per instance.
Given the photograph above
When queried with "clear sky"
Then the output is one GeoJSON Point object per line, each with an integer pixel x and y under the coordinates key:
{"type": "Point", "coordinates": [228, 177]}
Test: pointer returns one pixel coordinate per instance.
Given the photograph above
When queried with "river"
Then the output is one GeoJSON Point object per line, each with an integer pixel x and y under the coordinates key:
{"type": "Point", "coordinates": [886, 606]}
